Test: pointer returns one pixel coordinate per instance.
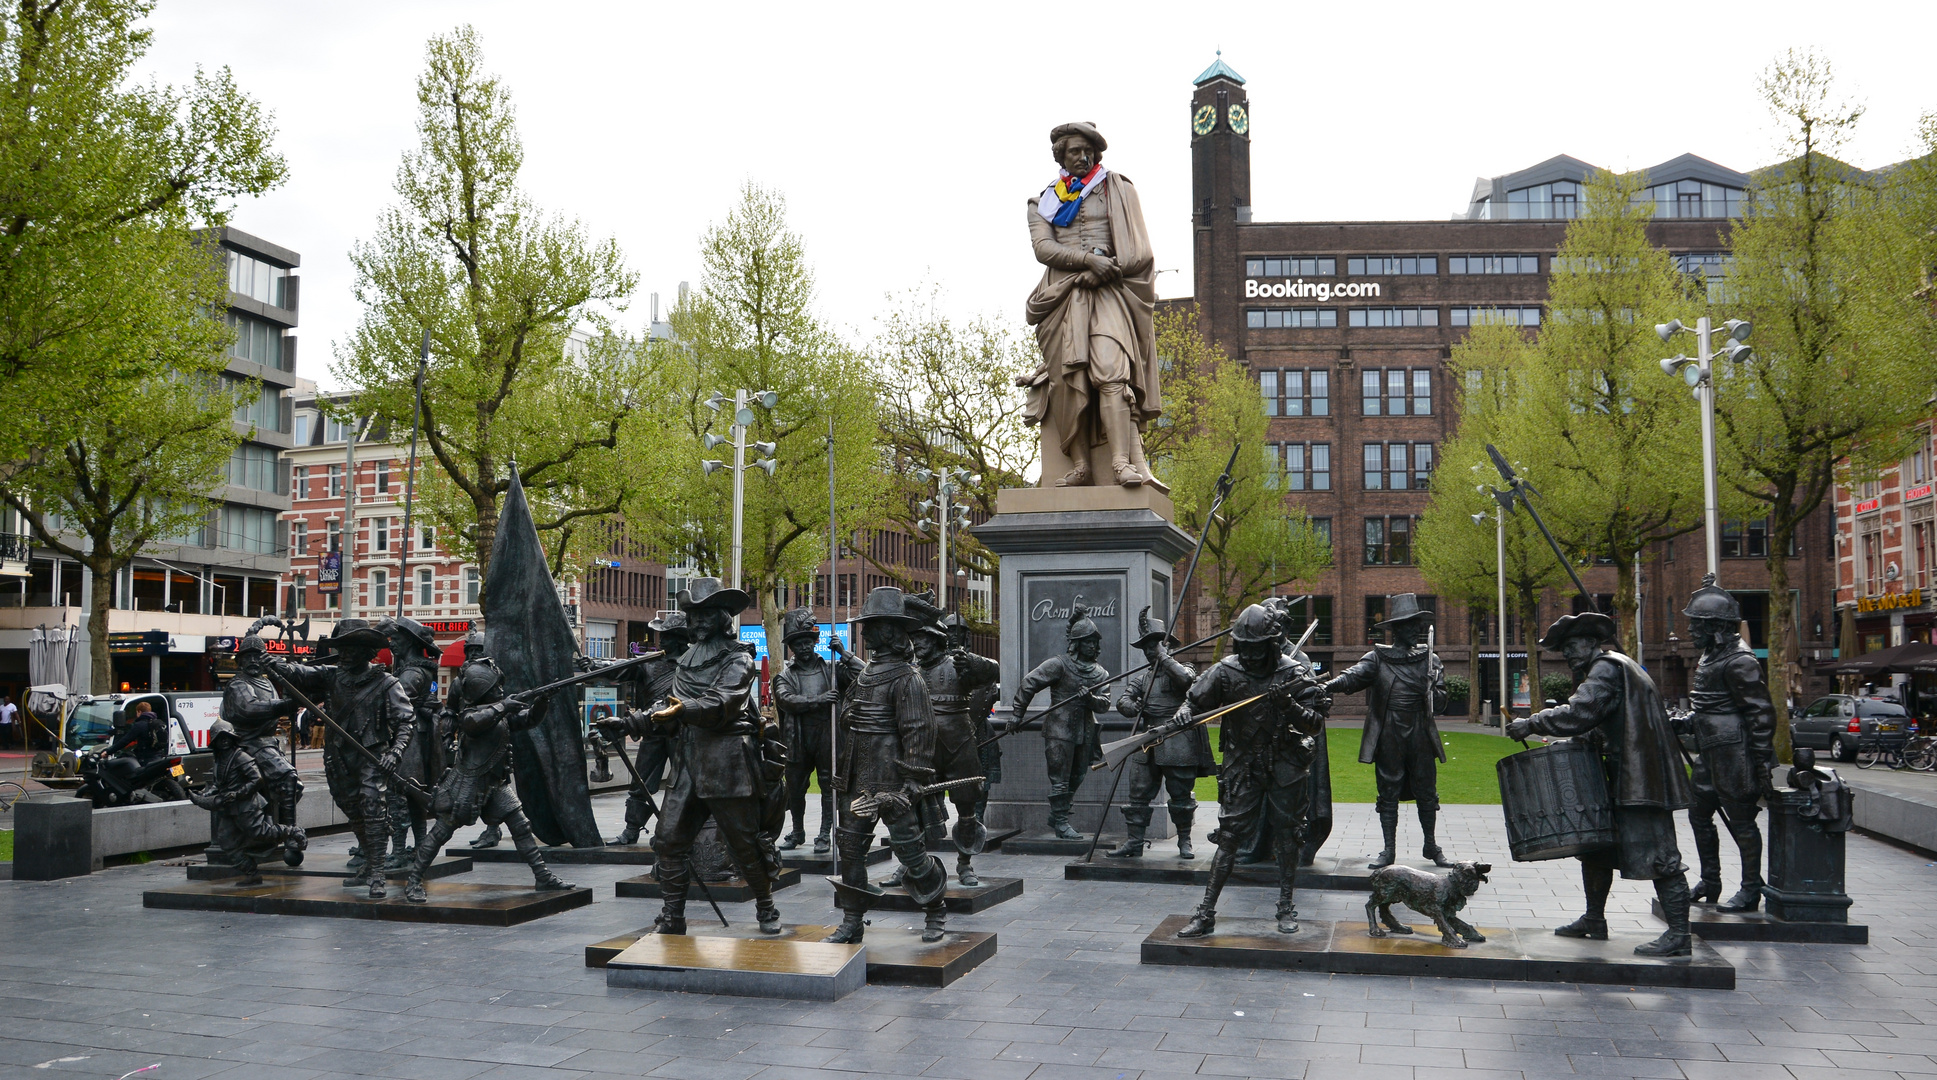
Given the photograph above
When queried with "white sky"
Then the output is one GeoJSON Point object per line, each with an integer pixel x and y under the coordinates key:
{"type": "Point", "coordinates": [907, 137]}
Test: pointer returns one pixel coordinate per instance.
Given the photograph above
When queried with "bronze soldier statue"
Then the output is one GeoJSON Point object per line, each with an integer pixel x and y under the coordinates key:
{"type": "Point", "coordinates": [887, 752]}
{"type": "Point", "coordinates": [1734, 724]}
{"type": "Point", "coordinates": [807, 692]}
{"type": "Point", "coordinates": [953, 676]}
{"type": "Point", "coordinates": [653, 681]}
{"type": "Point", "coordinates": [252, 707]}
{"type": "Point", "coordinates": [371, 706]}
{"type": "Point", "coordinates": [1266, 774]}
{"type": "Point", "coordinates": [1319, 827]}
{"type": "Point", "coordinates": [1152, 700]}
{"type": "Point", "coordinates": [1617, 709]}
{"type": "Point", "coordinates": [1401, 739]}
{"type": "Point", "coordinates": [717, 769]}
{"type": "Point", "coordinates": [1070, 737]}
{"type": "Point", "coordinates": [454, 703]}
{"type": "Point", "coordinates": [982, 699]}
{"type": "Point", "coordinates": [478, 783]}
{"type": "Point", "coordinates": [413, 660]}
{"type": "Point", "coordinates": [242, 822]}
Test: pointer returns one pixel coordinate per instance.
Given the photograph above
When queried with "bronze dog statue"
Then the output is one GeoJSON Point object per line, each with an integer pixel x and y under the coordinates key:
{"type": "Point", "coordinates": [1436, 896]}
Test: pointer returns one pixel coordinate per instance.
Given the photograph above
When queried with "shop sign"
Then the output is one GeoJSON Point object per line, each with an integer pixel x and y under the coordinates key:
{"type": "Point", "coordinates": [1921, 491]}
{"type": "Point", "coordinates": [1868, 505]}
{"type": "Point", "coordinates": [329, 573]}
{"type": "Point", "coordinates": [274, 646]}
{"type": "Point", "coordinates": [145, 643]}
{"type": "Point", "coordinates": [448, 626]}
{"type": "Point", "coordinates": [1890, 602]}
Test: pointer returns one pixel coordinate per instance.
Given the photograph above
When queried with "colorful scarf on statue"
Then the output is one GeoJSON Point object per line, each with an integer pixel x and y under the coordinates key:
{"type": "Point", "coordinates": [1061, 200]}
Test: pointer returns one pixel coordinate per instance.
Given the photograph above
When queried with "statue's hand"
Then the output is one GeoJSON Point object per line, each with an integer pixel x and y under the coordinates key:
{"type": "Point", "coordinates": [1102, 266]}
{"type": "Point", "coordinates": [1519, 729]}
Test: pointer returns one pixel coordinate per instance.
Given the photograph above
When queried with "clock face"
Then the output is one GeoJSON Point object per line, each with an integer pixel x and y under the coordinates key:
{"type": "Point", "coordinates": [1240, 120]}
{"type": "Point", "coordinates": [1204, 120]}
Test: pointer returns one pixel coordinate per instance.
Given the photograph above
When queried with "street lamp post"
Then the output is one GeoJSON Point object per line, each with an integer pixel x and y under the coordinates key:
{"type": "Point", "coordinates": [1504, 499]}
{"type": "Point", "coordinates": [743, 402]}
{"type": "Point", "coordinates": [1699, 373]}
{"type": "Point", "coordinates": [947, 483]}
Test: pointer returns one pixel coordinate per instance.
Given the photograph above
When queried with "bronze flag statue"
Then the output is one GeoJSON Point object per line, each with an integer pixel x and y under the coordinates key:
{"type": "Point", "coordinates": [1097, 384]}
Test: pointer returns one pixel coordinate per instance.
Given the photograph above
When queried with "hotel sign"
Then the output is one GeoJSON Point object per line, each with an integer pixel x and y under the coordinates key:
{"type": "Point", "coordinates": [1890, 602]}
{"type": "Point", "coordinates": [1921, 491]}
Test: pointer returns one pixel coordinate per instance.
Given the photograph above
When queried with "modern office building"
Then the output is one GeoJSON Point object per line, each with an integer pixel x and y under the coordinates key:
{"type": "Point", "coordinates": [1347, 328]}
{"type": "Point", "coordinates": [211, 583]}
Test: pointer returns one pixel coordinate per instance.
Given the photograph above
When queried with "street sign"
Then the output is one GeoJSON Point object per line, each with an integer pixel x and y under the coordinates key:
{"type": "Point", "coordinates": [145, 643]}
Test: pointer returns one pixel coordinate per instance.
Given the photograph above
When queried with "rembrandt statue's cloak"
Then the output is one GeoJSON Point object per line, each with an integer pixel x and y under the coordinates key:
{"type": "Point", "coordinates": [1067, 317]}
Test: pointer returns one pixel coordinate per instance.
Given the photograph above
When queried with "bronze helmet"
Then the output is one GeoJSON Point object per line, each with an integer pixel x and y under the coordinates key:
{"type": "Point", "coordinates": [1711, 601]}
{"type": "Point", "coordinates": [1254, 624]}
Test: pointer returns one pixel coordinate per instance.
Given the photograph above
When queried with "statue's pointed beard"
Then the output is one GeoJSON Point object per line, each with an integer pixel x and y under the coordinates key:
{"type": "Point", "coordinates": [1579, 667]}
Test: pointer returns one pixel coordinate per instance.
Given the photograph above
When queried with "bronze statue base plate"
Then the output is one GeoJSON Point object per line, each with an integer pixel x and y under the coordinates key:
{"type": "Point", "coordinates": [1048, 843]}
{"type": "Point", "coordinates": [946, 846]}
{"type": "Point", "coordinates": [1507, 955]}
{"type": "Point", "coordinates": [1346, 875]}
{"type": "Point", "coordinates": [895, 955]}
{"type": "Point", "coordinates": [320, 897]}
{"type": "Point", "coordinates": [795, 964]}
{"type": "Point", "coordinates": [608, 855]}
{"type": "Point", "coordinates": [804, 860]}
{"type": "Point", "coordinates": [959, 899]}
{"type": "Point", "coordinates": [1711, 925]}
{"type": "Point", "coordinates": [731, 891]}
{"type": "Point", "coordinates": [330, 866]}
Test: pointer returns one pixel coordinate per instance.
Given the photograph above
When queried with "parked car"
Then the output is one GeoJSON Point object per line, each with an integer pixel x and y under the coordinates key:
{"type": "Point", "coordinates": [1843, 724]}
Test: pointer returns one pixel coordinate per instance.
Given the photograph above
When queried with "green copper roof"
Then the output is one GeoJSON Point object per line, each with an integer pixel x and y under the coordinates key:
{"type": "Point", "coordinates": [1218, 67]}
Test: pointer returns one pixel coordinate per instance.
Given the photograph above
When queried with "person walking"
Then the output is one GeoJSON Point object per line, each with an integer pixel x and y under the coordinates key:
{"type": "Point", "coordinates": [9, 713]}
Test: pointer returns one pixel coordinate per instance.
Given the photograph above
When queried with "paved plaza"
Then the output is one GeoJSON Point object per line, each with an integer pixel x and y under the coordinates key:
{"type": "Point", "coordinates": [92, 985]}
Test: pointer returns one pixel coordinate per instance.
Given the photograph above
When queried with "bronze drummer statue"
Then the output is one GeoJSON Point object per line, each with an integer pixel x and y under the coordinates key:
{"type": "Point", "coordinates": [1617, 709]}
{"type": "Point", "coordinates": [1734, 725]}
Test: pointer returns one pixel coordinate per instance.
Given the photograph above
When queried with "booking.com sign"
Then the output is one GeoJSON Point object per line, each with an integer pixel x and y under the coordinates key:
{"type": "Point", "coordinates": [1300, 289]}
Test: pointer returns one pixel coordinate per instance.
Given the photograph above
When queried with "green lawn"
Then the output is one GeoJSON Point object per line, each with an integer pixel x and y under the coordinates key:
{"type": "Point", "coordinates": [6, 845]}
{"type": "Point", "coordinates": [1468, 775]}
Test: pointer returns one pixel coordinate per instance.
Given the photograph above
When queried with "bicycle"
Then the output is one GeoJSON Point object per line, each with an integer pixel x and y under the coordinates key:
{"type": "Point", "coordinates": [1879, 752]}
{"type": "Point", "coordinates": [1920, 753]}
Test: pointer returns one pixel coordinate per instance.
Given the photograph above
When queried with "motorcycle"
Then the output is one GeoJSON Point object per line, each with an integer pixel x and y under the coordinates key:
{"type": "Point", "coordinates": [122, 780]}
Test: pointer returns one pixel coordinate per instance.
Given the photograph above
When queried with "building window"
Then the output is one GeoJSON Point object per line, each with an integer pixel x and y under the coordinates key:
{"type": "Point", "coordinates": [379, 589]}
{"type": "Point", "coordinates": [1693, 199]}
{"type": "Point", "coordinates": [1323, 527]}
{"type": "Point", "coordinates": [1922, 555]}
{"type": "Point", "coordinates": [1293, 266]}
{"type": "Point", "coordinates": [1290, 318]}
{"type": "Point", "coordinates": [380, 534]}
{"type": "Point", "coordinates": [1393, 316]}
{"type": "Point", "coordinates": [1391, 265]}
{"type": "Point", "coordinates": [258, 280]}
{"type": "Point", "coordinates": [332, 537]}
{"type": "Point", "coordinates": [427, 538]}
{"type": "Point", "coordinates": [1316, 609]}
{"type": "Point", "coordinates": [335, 430]}
{"type": "Point", "coordinates": [1388, 541]}
{"type": "Point", "coordinates": [426, 582]}
{"type": "Point", "coordinates": [1558, 201]}
{"type": "Point", "coordinates": [1307, 466]}
{"type": "Point", "coordinates": [1869, 560]}
{"type": "Point", "coordinates": [1493, 264]}
{"type": "Point", "coordinates": [1396, 391]}
{"type": "Point", "coordinates": [1296, 392]}
{"type": "Point", "coordinates": [257, 403]}
{"type": "Point", "coordinates": [299, 482]}
{"type": "Point", "coordinates": [1375, 614]}
{"type": "Point", "coordinates": [1916, 467]}
{"type": "Point", "coordinates": [253, 529]}
{"type": "Point", "coordinates": [298, 591]}
{"type": "Point", "coordinates": [1479, 316]}
{"type": "Point", "coordinates": [383, 476]}
{"type": "Point", "coordinates": [471, 586]}
{"type": "Point", "coordinates": [336, 482]}
{"type": "Point", "coordinates": [298, 538]}
{"type": "Point", "coordinates": [1398, 466]}
{"type": "Point", "coordinates": [256, 341]}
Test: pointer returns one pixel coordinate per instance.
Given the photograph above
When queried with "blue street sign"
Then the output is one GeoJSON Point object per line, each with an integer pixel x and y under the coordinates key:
{"type": "Point", "coordinates": [757, 634]}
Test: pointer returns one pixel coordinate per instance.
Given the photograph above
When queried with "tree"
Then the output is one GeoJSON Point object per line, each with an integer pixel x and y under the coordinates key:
{"type": "Point", "coordinates": [750, 325]}
{"type": "Point", "coordinates": [1829, 272]}
{"type": "Point", "coordinates": [500, 287]}
{"type": "Point", "coordinates": [949, 400]}
{"type": "Point", "coordinates": [1260, 541]}
{"type": "Point", "coordinates": [1457, 555]}
{"type": "Point", "coordinates": [139, 472]}
{"type": "Point", "coordinates": [1613, 444]}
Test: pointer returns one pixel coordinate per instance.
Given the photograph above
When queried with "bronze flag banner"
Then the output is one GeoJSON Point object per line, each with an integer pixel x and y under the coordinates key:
{"type": "Point", "coordinates": [526, 631]}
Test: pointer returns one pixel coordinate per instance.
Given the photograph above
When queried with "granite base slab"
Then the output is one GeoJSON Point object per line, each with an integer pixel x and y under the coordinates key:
{"type": "Point", "coordinates": [1048, 843]}
{"type": "Point", "coordinates": [1324, 873]}
{"type": "Point", "coordinates": [607, 855]}
{"type": "Point", "coordinates": [451, 902]}
{"type": "Point", "coordinates": [325, 866]}
{"type": "Point", "coordinates": [1508, 955]}
{"type": "Point", "coordinates": [827, 862]}
{"type": "Point", "coordinates": [895, 955]}
{"type": "Point", "coordinates": [731, 891]}
{"type": "Point", "coordinates": [1711, 925]}
{"type": "Point", "coordinates": [959, 899]}
{"type": "Point", "coordinates": [997, 837]}
{"type": "Point", "coordinates": [797, 966]}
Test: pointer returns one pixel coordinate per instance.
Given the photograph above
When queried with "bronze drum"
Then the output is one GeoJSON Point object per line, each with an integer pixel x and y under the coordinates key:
{"type": "Point", "coordinates": [1556, 802]}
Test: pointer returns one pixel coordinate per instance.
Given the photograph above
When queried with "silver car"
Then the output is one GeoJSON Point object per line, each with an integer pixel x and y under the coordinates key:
{"type": "Point", "coordinates": [1843, 724]}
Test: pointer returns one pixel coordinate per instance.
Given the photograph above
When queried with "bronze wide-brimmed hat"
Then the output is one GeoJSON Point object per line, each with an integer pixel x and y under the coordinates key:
{"type": "Point", "coordinates": [1150, 630]}
{"type": "Point", "coordinates": [670, 622]}
{"type": "Point", "coordinates": [1079, 127]}
{"type": "Point", "coordinates": [799, 623]}
{"type": "Point", "coordinates": [1402, 607]}
{"type": "Point", "coordinates": [1588, 624]}
{"type": "Point", "coordinates": [354, 632]}
{"type": "Point", "coordinates": [707, 592]}
{"type": "Point", "coordinates": [886, 602]}
{"type": "Point", "coordinates": [405, 626]}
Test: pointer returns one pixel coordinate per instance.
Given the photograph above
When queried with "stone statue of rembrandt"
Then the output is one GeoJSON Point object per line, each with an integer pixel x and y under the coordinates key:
{"type": "Point", "coordinates": [1097, 385]}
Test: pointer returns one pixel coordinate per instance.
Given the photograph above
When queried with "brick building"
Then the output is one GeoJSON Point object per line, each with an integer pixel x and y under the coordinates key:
{"type": "Point", "coordinates": [1886, 554]}
{"type": "Point", "coordinates": [1347, 328]}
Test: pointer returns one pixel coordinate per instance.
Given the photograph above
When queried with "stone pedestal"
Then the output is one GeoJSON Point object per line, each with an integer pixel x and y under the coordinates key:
{"type": "Point", "coordinates": [1805, 866]}
{"type": "Point", "coordinates": [1113, 550]}
{"type": "Point", "coordinates": [53, 838]}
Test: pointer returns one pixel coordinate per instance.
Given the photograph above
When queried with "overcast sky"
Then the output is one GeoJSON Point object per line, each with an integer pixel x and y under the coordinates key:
{"type": "Point", "coordinates": [907, 137]}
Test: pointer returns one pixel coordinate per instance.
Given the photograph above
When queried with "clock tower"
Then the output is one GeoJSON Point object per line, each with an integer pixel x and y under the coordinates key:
{"type": "Point", "coordinates": [1220, 159]}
